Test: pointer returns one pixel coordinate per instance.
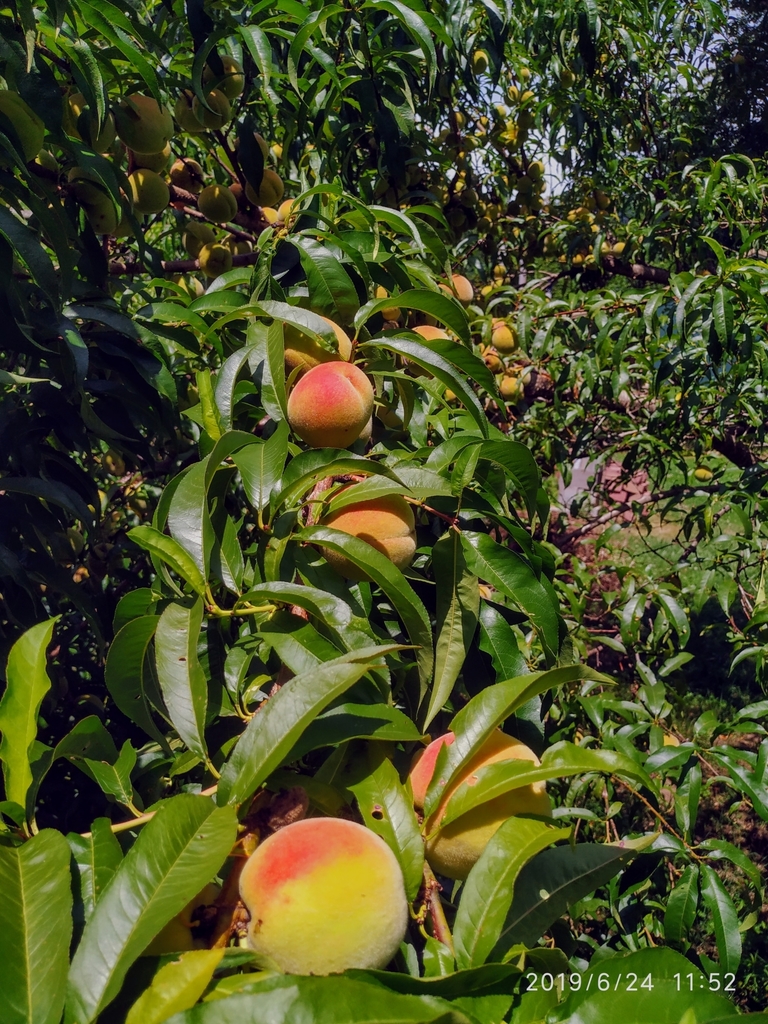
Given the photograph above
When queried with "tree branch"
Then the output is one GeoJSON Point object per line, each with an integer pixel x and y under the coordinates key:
{"type": "Point", "coordinates": [119, 268]}
{"type": "Point", "coordinates": [635, 271]}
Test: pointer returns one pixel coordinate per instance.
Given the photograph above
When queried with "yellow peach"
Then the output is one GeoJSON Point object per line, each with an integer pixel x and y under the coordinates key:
{"type": "Point", "coordinates": [455, 849]}
{"type": "Point", "coordinates": [386, 523]}
{"type": "Point", "coordinates": [324, 895]}
{"type": "Point", "coordinates": [300, 350]}
{"type": "Point", "coordinates": [330, 405]}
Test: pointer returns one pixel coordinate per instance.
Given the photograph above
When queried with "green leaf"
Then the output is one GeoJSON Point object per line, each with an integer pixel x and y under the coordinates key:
{"type": "Point", "coordinates": [182, 680]}
{"type": "Point", "coordinates": [514, 577]}
{"type": "Point", "coordinates": [416, 28]}
{"type": "Point", "coordinates": [177, 853]}
{"type": "Point", "coordinates": [171, 553]}
{"type": "Point", "coordinates": [281, 720]}
{"type": "Point", "coordinates": [177, 986]}
{"type": "Point", "coordinates": [387, 809]}
{"type": "Point", "coordinates": [488, 891]}
{"type": "Point", "coordinates": [485, 712]}
{"type": "Point", "coordinates": [554, 880]}
{"type": "Point", "coordinates": [115, 779]}
{"type": "Point", "coordinates": [27, 684]}
{"type": "Point", "coordinates": [499, 641]}
{"type": "Point", "coordinates": [381, 570]}
{"type": "Point", "coordinates": [661, 993]}
{"type": "Point", "coordinates": [337, 1000]}
{"type": "Point", "coordinates": [355, 721]}
{"type": "Point", "coordinates": [681, 907]}
{"type": "Point", "coordinates": [36, 929]}
{"type": "Point", "coordinates": [442, 307]}
{"type": "Point", "coordinates": [97, 857]}
{"type": "Point", "coordinates": [261, 465]}
{"type": "Point", "coordinates": [124, 672]}
{"type": "Point", "coordinates": [188, 520]}
{"type": "Point", "coordinates": [726, 921]}
{"type": "Point", "coordinates": [458, 602]}
{"type": "Point", "coordinates": [331, 291]}
{"type": "Point", "coordinates": [558, 762]}
{"type": "Point", "coordinates": [438, 367]}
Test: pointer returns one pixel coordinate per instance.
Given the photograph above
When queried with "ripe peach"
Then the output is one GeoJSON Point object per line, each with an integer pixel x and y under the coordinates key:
{"type": "Point", "coordinates": [330, 405]}
{"type": "Point", "coordinates": [389, 312]}
{"type": "Point", "coordinates": [386, 523]}
{"type": "Point", "coordinates": [456, 848]}
{"type": "Point", "coordinates": [324, 895]}
{"type": "Point", "coordinates": [460, 288]}
{"type": "Point", "coordinates": [302, 351]}
{"type": "Point", "coordinates": [429, 333]}
{"type": "Point", "coordinates": [142, 124]}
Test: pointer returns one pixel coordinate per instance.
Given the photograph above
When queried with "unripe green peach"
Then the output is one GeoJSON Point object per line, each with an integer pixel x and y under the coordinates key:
{"type": "Point", "coordinates": [47, 161]}
{"type": "Point", "coordinates": [196, 235]}
{"type": "Point", "coordinates": [270, 192]}
{"type": "Point", "coordinates": [302, 351]}
{"type": "Point", "coordinates": [503, 336]}
{"type": "Point", "coordinates": [232, 82]}
{"type": "Point", "coordinates": [179, 934]}
{"type": "Point", "coordinates": [215, 259]}
{"type": "Point", "coordinates": [156, 162]}
{"type": "Point", "coordinates": [191, 285]}
{"type": "Point", "coordinates": [28, 127]}
{"type": "Point", "coordinates": [86, 129]}
{"type": "Point", "coordinates": [702, 474]}
{"type": "Point", "coordinates": [95, 201]}
{"type": "Point", "coordinates": [217, 203]}
{"type": "Point", "coordinates": [238, 246]}
{"type": "Point", "coordinates": [220, 112]}
{"type": "Point", "coordinates": [455, 849]}
{"type": "Point", "coordinates": [479, 62]}
{"type": "Point", "coordinates": [142, 124]}
{"type": "Point", "coordinates": [187, 174]}
{"type": "Point", "coordinates": [511, 388]}
{"type": "Point", "coordinates": [324, 895]}
{"type": "Point", "coordinates": [330, 405]}
{"type": "Point", "coordinates": [185, 114]}
{"type": "Point", "coordinates": [386, 523]}
{"type": "Point", "coordinates": [148, 192]}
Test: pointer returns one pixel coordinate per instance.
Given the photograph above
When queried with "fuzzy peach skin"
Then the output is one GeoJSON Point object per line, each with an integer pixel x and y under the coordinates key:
{"type": "Point", "coordinates": [456, 848]}
{"type": "Point", "coordinates": [302, 351]}
{"type": "Point", "coordinates": [386, 523]}
{"type": "Point", "coordinates": [324, 895]}
{"type": "Point", "coordinates": [330, 405]}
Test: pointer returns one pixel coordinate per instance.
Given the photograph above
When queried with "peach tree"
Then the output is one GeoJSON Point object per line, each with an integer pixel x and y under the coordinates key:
{"type": "Point", "coordinates": [293, 684]}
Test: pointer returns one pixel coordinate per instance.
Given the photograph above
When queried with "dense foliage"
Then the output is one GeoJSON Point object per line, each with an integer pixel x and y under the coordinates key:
{"type": "Point", "coordinates": [575, 449]}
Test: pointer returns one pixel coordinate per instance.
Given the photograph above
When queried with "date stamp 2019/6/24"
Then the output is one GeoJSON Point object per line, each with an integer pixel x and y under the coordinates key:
{"type": "Point", "coordinates": [629, 982]}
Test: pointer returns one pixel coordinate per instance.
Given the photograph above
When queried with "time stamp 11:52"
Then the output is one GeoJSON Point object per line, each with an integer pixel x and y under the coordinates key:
{"type": "Point", "coordinates": [603, 982]}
